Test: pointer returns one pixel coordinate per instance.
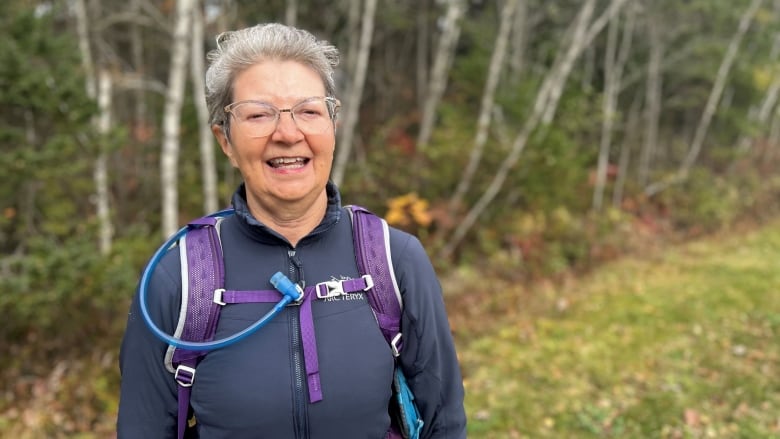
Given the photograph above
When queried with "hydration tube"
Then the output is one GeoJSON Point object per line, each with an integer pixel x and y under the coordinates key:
{"type": "Point", "coordinates": [290, 293]}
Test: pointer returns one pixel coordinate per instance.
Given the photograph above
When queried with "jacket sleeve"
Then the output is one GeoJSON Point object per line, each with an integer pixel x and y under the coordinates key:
{"type": "Point", "coordinates": [428, 355]}
{"type": "Point", "coordinates": [148, 395]}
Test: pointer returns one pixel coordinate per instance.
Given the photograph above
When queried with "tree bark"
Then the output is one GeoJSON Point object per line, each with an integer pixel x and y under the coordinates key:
{"type": "Point", "coordinates": [653, 98]}
{"type": "Point", "coordinates": [422, 48]}
{"type": "Point", "coordinates": [712, 102]}
{"type": "Point", "coordinates": [518, 42]}
{"type": "Point", "coordinates": [102, 125]}
{"type": "Point", "coordinates": [207, 160]}
{"type": "Point", "coordinates": [352, 107]}
{"type": "Point", "coordinates": [614, 61]}
{"type": "Point", "coordinates": [486, 107]}
{"type": "Point", "coordinates": [629, 139]}
{"type": "Point", "coordinates": [291, 12]}
{"type": "Point", "coordinates": [174, 97]}
{"type": "Point", "coordinates": [106, 230]}
{"type": "Point", "coordinates": [441, 65]}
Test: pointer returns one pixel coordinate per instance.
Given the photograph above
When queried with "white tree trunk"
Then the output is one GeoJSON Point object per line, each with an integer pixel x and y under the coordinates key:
{"type": "Point", "coordinates": [629, 139]}
{"type": "Point", "coordinates": [421, 50]}
{"type": "Point", "coordinates": [712, 102]}
{"type": "Point", "coordinates": [174, 97]}
{"type": "Point", "coordinates": [102, 125]}
{"type": "Point", "coordinates": [207, 160]}
{"type": "Point", "coordinates": [653, 98]}
{"type": "Point", "coordinates": [291, 12]}
{"type": "Point", "coordinates": [441, 65]}
{"type": "Point", "coordinates": [613, 71]}
{"type": "Point", "coordinates": [548, 95]}
{"type": "Point", "coordinates": [352, 107]}
{"type": "Point", "coordinates": [137, 47]}
{"type": "Point", "coordinates": [101, 166]}
{"type": "Point", "coordinates": [518, 43]}
{"type": "Point", "coordinates": [486, 107]}
{"type": "Point", "coordinates": [762, 114]}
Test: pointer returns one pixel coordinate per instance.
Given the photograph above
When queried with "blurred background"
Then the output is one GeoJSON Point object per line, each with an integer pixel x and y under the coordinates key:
{"type": "Point", "coordinates": [595, 180]}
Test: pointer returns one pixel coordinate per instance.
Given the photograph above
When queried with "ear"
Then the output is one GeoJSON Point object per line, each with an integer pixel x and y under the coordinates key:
{"type": "Point", "coordinates": [224, 143]}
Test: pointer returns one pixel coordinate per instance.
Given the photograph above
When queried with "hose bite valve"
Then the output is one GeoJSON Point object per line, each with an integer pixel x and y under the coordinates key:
{"type": "Point", "coordinates": [285, 286]}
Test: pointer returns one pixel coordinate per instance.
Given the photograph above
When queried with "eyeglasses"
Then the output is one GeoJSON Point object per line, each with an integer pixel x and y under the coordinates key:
{"type": "Point", "coordinates": [260, 119]}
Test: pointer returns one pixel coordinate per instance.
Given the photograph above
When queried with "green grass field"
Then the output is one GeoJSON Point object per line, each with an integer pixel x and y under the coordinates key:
{"type": "Point", "coordinates": [681, 344]}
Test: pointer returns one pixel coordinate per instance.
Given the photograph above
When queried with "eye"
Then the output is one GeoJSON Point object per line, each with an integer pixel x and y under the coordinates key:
{"type": "Point", "coordinates": [255, 112]}
{"type": "Point", "coordinates": [310, 110]}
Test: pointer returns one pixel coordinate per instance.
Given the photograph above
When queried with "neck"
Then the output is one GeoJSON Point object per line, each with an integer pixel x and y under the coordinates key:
{"type": "Point", "coordinates": [292, 220]}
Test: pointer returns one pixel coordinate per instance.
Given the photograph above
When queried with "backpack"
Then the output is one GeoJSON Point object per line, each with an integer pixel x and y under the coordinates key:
{"type": "Point", "coordinates": [203, 295]}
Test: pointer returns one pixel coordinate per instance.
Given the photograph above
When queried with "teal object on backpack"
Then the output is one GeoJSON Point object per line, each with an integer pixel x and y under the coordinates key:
{"type": "Point", "coordinates": [408, 418]}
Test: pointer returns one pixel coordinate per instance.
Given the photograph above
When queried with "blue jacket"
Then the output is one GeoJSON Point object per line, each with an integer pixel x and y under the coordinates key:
{"type": "Point", "coordinates": [254, 388]}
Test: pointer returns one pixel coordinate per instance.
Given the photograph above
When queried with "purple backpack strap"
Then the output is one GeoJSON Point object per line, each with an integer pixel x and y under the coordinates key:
{"type": "Point", "coordinates": [372, 252]}
{"type": "Point", "coordinates": [201, 257]}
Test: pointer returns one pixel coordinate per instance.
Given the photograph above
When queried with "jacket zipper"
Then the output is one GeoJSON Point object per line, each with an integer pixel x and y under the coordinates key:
{"type": "Point", "coordinates": [299, 395]}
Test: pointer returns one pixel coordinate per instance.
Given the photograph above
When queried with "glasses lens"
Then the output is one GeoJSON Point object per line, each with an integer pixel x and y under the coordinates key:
{"type": "Point", "coordinates": [312, 115]}
{"type": "Point", "coordinates": [256, 118]}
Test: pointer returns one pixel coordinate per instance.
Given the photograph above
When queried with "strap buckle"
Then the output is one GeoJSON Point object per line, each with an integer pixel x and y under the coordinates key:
{"type": "Point", "coordinates": [327, 289]}
{"type": "Point", "coordinates": [184, 375]}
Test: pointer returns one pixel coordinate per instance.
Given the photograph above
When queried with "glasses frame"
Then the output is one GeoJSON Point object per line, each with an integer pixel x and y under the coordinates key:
{"type": "Point", "coordinates": [332, 104]}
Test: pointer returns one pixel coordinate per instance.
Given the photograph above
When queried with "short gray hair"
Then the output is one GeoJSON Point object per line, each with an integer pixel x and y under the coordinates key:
{"type": "Point", "coordinates": [238, 50]}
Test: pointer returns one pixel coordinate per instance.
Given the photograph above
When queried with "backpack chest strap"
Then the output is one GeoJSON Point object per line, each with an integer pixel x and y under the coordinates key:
{"type": "Point", "coordinates": [322, 290]}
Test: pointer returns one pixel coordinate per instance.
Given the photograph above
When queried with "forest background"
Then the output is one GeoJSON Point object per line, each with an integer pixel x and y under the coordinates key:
{"type": "Point", "coordinates": [522, 140]}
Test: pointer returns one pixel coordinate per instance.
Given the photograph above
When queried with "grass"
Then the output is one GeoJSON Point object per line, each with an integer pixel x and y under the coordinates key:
{"type": "Point", "coordinates": [683, 344]}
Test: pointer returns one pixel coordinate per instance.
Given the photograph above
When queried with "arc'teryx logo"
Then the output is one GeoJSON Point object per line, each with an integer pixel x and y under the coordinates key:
{"type": "Point", "coordinates": [345, 296]}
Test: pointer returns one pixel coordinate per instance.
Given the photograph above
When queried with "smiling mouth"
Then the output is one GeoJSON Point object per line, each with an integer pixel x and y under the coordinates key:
{"type": "Point", "coordinates": [288, 162]}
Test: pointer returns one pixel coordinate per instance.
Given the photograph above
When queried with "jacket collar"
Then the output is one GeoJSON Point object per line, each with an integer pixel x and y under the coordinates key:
{"type": "Point", "coordinates": [261, 232]}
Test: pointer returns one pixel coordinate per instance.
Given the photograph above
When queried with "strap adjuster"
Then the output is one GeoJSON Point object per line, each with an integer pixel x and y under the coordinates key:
{"type": "Point", "coordinates": [369, 282]}
{"type": "Point", "coordinates": [184, 375]}
{"type": "Point", "coordinates": [218, 296]}
{"type": "Point", "coordinates": [395, 345]}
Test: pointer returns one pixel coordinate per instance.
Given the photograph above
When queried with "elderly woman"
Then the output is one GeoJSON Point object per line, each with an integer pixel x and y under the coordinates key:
{"type": "Point", "coordinates": [270, 92]}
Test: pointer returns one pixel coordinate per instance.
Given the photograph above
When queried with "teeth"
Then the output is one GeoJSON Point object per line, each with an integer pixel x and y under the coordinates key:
{"type": "Point", "coordinates": [284, 161]}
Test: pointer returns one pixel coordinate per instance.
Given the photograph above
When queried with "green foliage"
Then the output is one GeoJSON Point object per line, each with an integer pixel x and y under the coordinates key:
{"type": "Point", "coordinates": [705, 202]}
{"type": "Point", "coordinates": [44, 120]}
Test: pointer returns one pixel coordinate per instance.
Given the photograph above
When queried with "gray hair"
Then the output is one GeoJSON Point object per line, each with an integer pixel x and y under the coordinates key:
{"type": "Point", "coordinates": [238, 50]}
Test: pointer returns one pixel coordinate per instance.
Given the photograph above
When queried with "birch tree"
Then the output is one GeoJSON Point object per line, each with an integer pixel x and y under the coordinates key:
{"type": "Point", "coordinates": [445, 49]}
{"type": "Point", "coordinates": [653, 97]}
{"type": "Point", "coordinates": [207, 161]}
{"type": "Point", "coordinates": [762, 114]}
{"type": "Point", "coordinates": [486, 106]}
{"type": "Point", "coordinates": [102, 124]}
{"type": "Point", "coordinates": [614, 61]}
{"type": "Point", "coordinates": [106, 230]}
{"type": "Point", "coordinates": [548, 95]}
{"type": "Point", "coordinates": [630, 138]}
{"type": "Point", "coordinates": [712, 102]}
{"type": "Point", "coordinates": [352, 110]}
{"type": "Point", "coordinates": [291, 12]}
{"type": "Point", "coordinates": [174, 97]}
{"type": "Point", "coordinates": [518, 41]}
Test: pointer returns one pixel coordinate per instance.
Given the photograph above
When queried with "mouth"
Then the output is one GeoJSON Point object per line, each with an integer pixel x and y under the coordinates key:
{"type": "Point", "coordinates": [288, 162]}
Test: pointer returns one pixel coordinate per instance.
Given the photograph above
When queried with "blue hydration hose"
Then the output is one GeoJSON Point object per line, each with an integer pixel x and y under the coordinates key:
{"type": "Point", "coordinates": [290, 293]}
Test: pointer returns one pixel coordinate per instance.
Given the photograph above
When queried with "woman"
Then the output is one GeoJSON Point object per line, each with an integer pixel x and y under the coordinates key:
{"type": "Point", "coordinates": [270, 93]}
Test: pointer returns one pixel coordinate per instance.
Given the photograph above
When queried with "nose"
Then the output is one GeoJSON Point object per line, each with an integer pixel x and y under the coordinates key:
{"type": "Point", "coordinates": [286, 128]}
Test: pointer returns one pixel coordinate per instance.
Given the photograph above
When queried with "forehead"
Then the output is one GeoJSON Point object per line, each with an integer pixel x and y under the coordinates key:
{"type": "Point", "coordinates": [280, 82]}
